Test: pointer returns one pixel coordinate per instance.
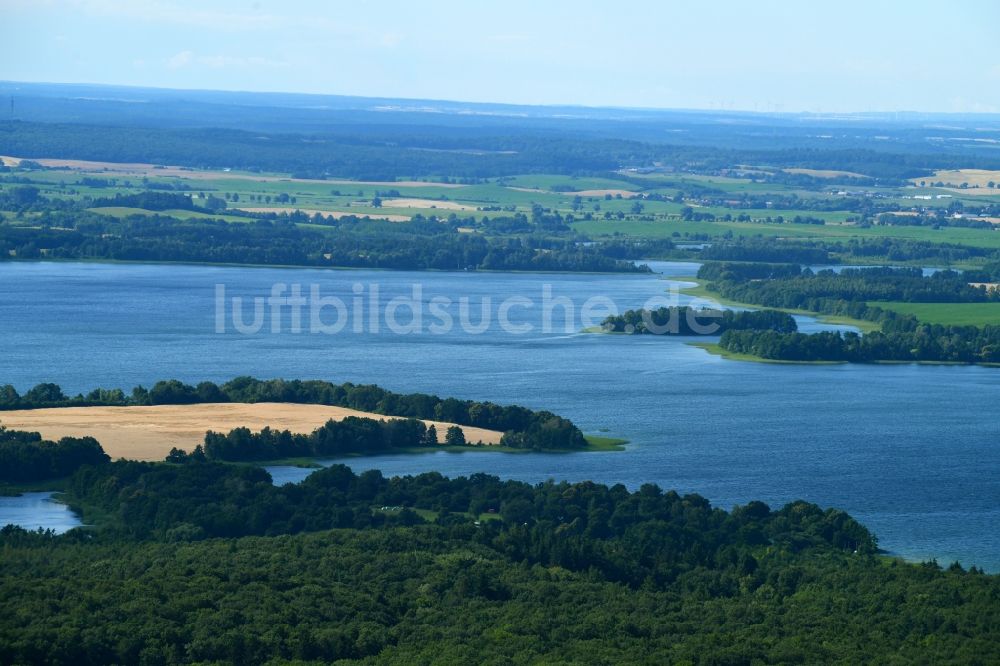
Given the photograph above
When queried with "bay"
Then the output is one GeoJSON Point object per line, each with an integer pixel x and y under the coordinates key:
{"type": "Point", "coordinates": [909, 450]}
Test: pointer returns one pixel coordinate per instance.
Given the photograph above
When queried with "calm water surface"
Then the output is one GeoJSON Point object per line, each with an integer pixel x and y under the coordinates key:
{"type": "Point", "coordinates": [37, 510]}
{"type": "Point", "coordinates": [912, 451]}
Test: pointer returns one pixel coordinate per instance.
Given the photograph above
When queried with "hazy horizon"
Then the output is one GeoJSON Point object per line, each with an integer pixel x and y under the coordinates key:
{"type": "Point", "coordinates": [554, 105]}
{"type": "Point", "coordinates": [851, 57]}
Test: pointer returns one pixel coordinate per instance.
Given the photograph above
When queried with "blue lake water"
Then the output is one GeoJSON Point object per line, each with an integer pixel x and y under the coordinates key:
{"type": "Point", "coordinates": [37, 510]}
{"type": "Point", "coordinates": [912, 451]}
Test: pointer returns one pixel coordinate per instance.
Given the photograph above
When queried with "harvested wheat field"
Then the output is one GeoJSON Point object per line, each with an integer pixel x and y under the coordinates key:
{"type": "Point", "coordinates": [335, 214]}
{"type": "Point", "coordinates": [826, 173]}
{"type": "Point", "coordinates": [144, 169]}
{"type": "Point", "coordinates": [425, 203]}
{"type": "Point", "coordinates": [976, 180]}
{"type": "Point", "coordinates": [626, 194]}
{"type": "Point", "coordinates": [148, 433]}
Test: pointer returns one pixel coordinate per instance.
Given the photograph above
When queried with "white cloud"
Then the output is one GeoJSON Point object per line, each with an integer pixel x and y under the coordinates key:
{"type": "Point", "coordinates": [189, 58]}
{"type": "Point", "coordinates": [182, 59]}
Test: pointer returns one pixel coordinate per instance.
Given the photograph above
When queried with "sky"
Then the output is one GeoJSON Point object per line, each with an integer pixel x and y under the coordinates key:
{"type": "Point", "coordinates": [763, 55]}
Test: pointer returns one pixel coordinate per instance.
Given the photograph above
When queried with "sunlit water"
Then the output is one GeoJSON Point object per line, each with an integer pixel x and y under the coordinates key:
{"type": "Point", "coordinates": [909, 450]}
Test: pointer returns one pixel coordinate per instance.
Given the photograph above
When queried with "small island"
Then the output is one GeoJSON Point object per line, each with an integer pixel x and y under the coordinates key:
{"type": "Point", "coordinates": [689, 321]}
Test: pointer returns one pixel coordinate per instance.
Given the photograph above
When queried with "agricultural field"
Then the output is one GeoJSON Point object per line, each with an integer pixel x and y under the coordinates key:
{"type": "Point", "coordinates": [601, 206]}
{"type": "Point", "coordinates": [978, 179]}
{"type": "Point", "coordinates": [126, 211]}
{"type": "Point", "coordinates": [673, 228]}
{"type": "Point", "coordinates": [150, 432]}
{"type": "Point", "coordinates": [960, 314]}
{"type": "Point", "coordinates": [825, 173]}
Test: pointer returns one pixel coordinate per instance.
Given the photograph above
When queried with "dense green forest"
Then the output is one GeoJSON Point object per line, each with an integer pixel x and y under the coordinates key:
{"type": "Point", "coordinates": [743, 271]}
{"type": "Point", "coordinates": [350, 435]}
{"type": "Point", "coordinates": [25, 457]}
{"type": "Point", "coordinates": [522, 427]}
{"type": "Point", "coordinates": [685, 320]}
{"type": "Point", "coordinates": [350, 243]}
{"type": "Point", "coordinates": [809, 290]}
{"type": "Point", "coordinates": [924, 343]}
{"type": "Point", "coordinates": [366, 435]}
{"type": "Point", "coordinates": [204, 562]}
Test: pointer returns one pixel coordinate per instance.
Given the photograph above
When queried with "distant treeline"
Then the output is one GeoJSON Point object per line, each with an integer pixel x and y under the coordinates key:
{"type": "Point", "coordinates": [149, 201]}
{"type": "Point", "coordinates": [940, 218]}
{"type": "Point", "coordinates": [737, 271]}
{"type": "Point", "coordinates": [899, 249]}
{"type": "Point", "coordinates": [865, 209]}
{"type": "Point", "coordinates": [25, 457]}
{"type": "Point", "coordinates": [839, 251]}
{"type": "Point", "coordinates": [684, 320]}
{"type": "Point", "coordinates": [988, 273]}
{"type": "Point", "coordinates": [523, 428]}
{"type": "Point", "coordinates": [369, 152]}
{"type": "Point", "coordinates": [429, 245]}
{"type": "Point", "coordinates": [765, 251]}
{"type": "Point", "coordinates": [344, 155]}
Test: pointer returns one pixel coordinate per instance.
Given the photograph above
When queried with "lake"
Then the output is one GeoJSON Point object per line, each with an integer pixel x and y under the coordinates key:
{"type": "Point", "coordinates": [909, 450]}
{"type": "Point", "coordinates": [37, 510]}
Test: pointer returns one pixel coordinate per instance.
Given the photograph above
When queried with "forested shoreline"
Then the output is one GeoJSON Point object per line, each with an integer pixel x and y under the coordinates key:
{"type": "Point", "coordinates": [925, 344]}
{"type": "Point", "coordinates": [363, 567]}
{"type": "Point", "coordinates": [857, 293]}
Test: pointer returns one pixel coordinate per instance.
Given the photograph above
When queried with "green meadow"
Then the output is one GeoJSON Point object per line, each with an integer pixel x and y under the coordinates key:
{"type": "Point", "coordinates": [962, 314]}
{"type": "Point", "coordinates": [986, 238]}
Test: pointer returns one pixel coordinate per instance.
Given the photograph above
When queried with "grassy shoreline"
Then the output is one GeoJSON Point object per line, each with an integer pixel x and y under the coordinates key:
{"type": "Point", "coordinates": [714, 349]}
{"type": "Point", "coordinates": [595, 443]}
{"type": "Point", "coordinates": [47, 486]}
{"type": "Point", "coordinates": [700, 291]}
